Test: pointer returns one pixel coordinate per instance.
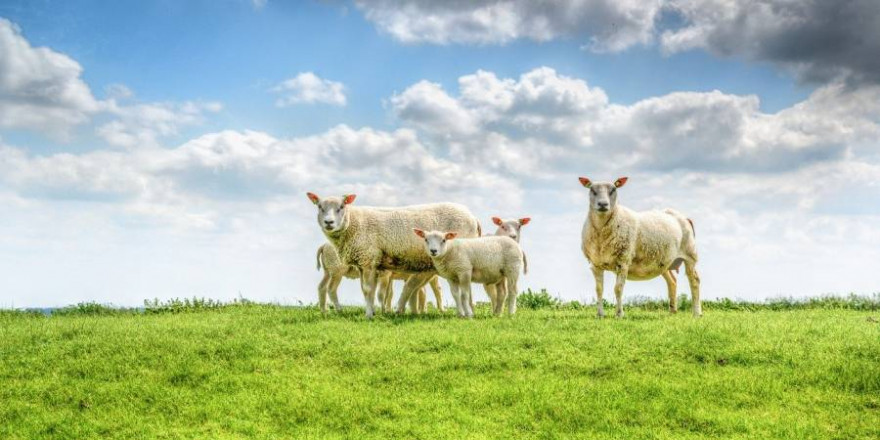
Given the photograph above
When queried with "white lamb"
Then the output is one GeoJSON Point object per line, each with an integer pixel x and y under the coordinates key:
{"type": "Point", "coordinates": [513, 229]}
{"type": "Point", "coordinates": [486, 260]}
{"type": "Point", "coordinates": [637, 245]}
{"type": "Point", "coordinates": [335, 271]}
{"type": "Point", "coordinates": [380, 239]}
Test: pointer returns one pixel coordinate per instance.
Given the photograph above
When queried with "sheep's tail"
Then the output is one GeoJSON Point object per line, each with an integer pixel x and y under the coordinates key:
{"type": "Point", "coordinates": [525, 264]}
{"type": "Point", "coordinates": [692, 227]}
{"type": "Point", "coordinates": [320, 251]}
{"type": "Point", "coordinates": [479, 229]}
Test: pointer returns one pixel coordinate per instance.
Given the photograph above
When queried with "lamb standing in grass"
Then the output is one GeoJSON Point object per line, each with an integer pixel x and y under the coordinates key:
{"type": "Point", "coordinates": [511, 228]}
{"type": "Point", "coordinates": [381, 239]}
{"type": "Point", "coordinates": [335, 271]}
{"type": "Point", "coordinates": [637, 245]}
{"type": "Point", "coordinates": [486, 260]}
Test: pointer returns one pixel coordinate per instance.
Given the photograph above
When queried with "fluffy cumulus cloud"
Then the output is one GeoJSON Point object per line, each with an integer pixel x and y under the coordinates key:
{"type": "Point", "coordinates": [818, 40]}
{"type": "Point", "coordinates": [142, 125]}
{"type": "Point", "coordinates": [308, 88]}
{"type": "Point", "coordinates": [544, 120]}
{"type": "Point", "coordinates": [40, 89]}
{"type": "Point", "coordinates": [608, 25]}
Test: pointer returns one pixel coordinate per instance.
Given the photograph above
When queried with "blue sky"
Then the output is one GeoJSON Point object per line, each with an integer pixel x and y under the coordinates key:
{"type": "Point", "coordinates": [192, 159]}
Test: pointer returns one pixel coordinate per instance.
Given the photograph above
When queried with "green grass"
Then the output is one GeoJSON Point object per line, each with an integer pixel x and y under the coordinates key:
{"type": "Point", "coordinates": [257, 371]}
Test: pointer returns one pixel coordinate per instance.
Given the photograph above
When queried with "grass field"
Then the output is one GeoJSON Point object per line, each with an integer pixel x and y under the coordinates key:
{"type": "Point", "coordinates": [256, 371]}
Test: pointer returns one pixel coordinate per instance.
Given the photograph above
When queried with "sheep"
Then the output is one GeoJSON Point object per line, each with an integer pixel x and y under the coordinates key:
{"type": "Point", "coordinates": [511, 228]}
{"type": "Point", "coordinates": [379, 239]}
{"type": "Point", "coordinates": [637, 245]}
{"type": "Point", "coordinates": [335, 270]}
{"type": "Point", "coordinates": [485, 260]}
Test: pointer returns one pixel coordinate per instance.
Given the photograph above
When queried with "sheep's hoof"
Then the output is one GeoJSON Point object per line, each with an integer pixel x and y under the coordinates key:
{"type": "Point", "coordinates": [673, 310]}
{"type": "Point", "coordinates": [618, 315]}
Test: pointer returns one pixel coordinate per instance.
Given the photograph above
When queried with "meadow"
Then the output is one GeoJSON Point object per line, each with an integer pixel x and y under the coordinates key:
{"type": "Point", "coordinates": [207, 370]}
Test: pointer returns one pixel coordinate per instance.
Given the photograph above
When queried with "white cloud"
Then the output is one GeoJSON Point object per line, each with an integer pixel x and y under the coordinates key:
{"type": "Point", "coordinates": [142, 125]}
{"type": "Point", "coordinates": [308, 88]}
{"type": "Point", "coordinates": [609, 25]}
{"type": "Point", "coordinates": [40, 89]}
{"type": "Point", "coordinates": [545, 120]}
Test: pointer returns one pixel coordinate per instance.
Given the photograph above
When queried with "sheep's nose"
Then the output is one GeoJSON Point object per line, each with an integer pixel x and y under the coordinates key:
{"type": "Point", "coordinates": [433, 252]}
{"type": "Point", "coordinates": [328, 222]}
{"type": "Point", "coordinates": [603, 205]}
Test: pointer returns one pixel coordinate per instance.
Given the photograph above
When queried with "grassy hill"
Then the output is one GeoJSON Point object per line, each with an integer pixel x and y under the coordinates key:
{"type": "Point", "coordinates": [257, 371]}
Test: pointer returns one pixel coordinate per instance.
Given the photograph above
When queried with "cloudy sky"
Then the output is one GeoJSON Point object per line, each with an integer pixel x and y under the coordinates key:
{"type": "Point", "coordinates": [163, 149]}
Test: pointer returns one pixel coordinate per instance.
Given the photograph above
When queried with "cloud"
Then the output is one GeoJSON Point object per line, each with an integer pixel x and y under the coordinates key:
{"type": "Point", "coordinates": [40, 89]}
{"type": "Point", "coordinates": [608, 25]}
{"type": "Point", "coordinates": [818, 40]}
{"type": "Point", "coordinates": [142, 125]}
{"type": "Point", "coordinates": [543, 120]}
{"type": "Point", "coordinates": [308, 88]}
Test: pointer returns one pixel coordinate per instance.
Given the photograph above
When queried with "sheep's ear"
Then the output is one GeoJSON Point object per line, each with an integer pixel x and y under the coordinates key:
{"type": "Point", "coordinates": [450, 235]}
{"type": "Point", "coordinates": [314, 198]}
{"type": "Point", "coordinates": [419, 232]}
{"type": "Point", "coordinates": [348, 199]}
{"type": "Point", "coordinates": [524, 220]}
{"type": "Point", "coordinates": [585, 182]}
{"type": "Point", "coordinates": [497, 221]}
{"type": "Point", "coordinates": [620, 182]}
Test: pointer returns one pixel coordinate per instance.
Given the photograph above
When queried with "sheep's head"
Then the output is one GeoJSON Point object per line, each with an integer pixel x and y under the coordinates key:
{"type": "Point", "coordinates": [603, 195]}
{"type": "Point", "coordinates": [332, 212]}
{"type": "Point", "coordinates": [510, 227]}
{"type": "Point", "coordinates": [436, 242]}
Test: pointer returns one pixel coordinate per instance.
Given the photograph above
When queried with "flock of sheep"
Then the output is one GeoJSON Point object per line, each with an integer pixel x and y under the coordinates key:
{"type": "Point", "coordinates": [421, 242]}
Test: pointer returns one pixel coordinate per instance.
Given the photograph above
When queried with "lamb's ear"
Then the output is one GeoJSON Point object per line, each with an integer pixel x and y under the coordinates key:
{"type": "Point", "coordinates": [450, 235]}
{"type": "Point", "coordinates": [314, 198]}
{"type": "Point", "coordinates": [620, 182]}
{"type": "Point", "coordinates": [419, 232]}
{"type": "Point", "coordinates": [524, 221]}
{"type": "Point", "coordinates": [497, 221]}
{"type": "Point", "coordinates": [585, 182]}
{"type": "Point", "coordinates": [348, 199]}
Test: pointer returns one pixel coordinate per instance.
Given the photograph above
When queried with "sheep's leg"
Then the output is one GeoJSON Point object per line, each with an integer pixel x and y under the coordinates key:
{"type": "Point", "coordinates": [438, 292]}
{"type": "Point", "coordinates": [467, 299]}
{"type": "Point", "coordinates": [332, 288]}
{"type": "Point", "coordinates": [414, 301]}
{"type": "Point", "coordinates": [423, 300]}
{"type": "Point", "coordinates": [599, 275]}
{"type": "Point", "coordinates": [456, 295]}
{"type": "Point", "coordinates": [618, 289]}
{"type": "Point", "coordinates": [322, 292]}
{"type": "Point", "coordinates": [511, 293]}
{"type": "Point", "coordinates": [369, 282]}
{"type": "Point", "coordinates": [500, 296]}
{"type": "Point", "coordinates": [694, 279]}
{"type": "Point", "coordinates": [492, 294]}
{"type": "Point", "coordinates": [671, 285]}
{"type": "Point", "coordinates": [386, 291]}
{"type": "Point", "coordinates": [412, 284]}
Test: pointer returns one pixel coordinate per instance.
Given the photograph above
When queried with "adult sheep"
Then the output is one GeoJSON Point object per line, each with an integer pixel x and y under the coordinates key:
{"type": "Point", "coordinates": [637, 245]}
{"type": "Point", "coordinates": [381, 239]}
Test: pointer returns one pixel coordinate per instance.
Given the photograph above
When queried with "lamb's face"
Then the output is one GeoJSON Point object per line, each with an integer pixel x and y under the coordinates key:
{"type": "Point", "coordinates": [603, 196]}
{"type": "Point", "coordinates": [436, 242]}
{"type": "Point", "coordinates": [332, 212]}
{"type": "Point", "coordinates": [510, 227]}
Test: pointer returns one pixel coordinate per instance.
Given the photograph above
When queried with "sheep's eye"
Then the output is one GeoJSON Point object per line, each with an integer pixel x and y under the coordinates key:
{"type": "Point", "coordinates": [612, 190]}
{"type": "Point", "coordinates": [593, 191]}
{"type": "Point", "coordinates": [443, 242]}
